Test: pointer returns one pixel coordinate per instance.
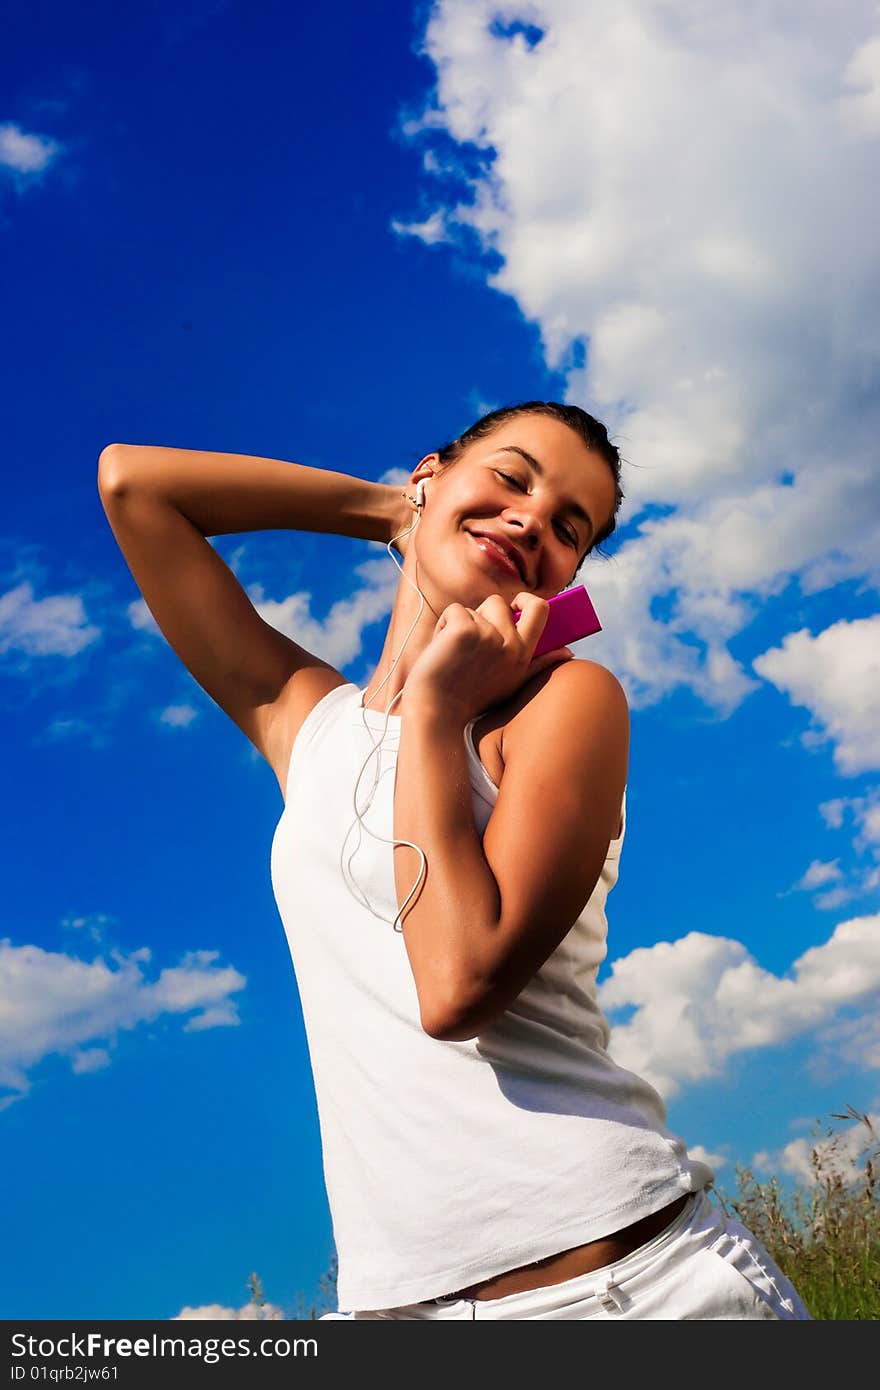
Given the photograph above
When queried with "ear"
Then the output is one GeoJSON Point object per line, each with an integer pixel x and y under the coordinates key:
{"type": "Point", "coordinates": [427, 468]}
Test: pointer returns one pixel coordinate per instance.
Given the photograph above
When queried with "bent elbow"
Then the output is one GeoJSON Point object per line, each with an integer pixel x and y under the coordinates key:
{"type": "Point", "coordinates": [457, 1021]}
{"type": "Point", "coordinates": [437, 1025]}
{"type": "Point", "coordinates": [116, 464]}
{"type": "Point", "coordinates": [110, 468]}
{"type": "Point", "coordinates": [440, 1019]}
{"type": "Point", "coordinates": [447, 1030]}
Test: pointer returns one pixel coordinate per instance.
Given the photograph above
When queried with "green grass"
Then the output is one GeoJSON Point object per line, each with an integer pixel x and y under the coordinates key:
{"type": "Point", "coordinates": [825, 1236]}
{"type": "Point", "coordinates": [303, 1308]}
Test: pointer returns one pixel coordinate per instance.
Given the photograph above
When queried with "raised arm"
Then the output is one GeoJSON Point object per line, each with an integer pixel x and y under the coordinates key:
{"type": "Point", "coordinates": [163, 504]}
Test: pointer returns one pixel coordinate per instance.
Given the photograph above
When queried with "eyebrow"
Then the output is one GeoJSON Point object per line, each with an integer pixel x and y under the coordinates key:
{"type": "Point", "coordinates": [530, 459]}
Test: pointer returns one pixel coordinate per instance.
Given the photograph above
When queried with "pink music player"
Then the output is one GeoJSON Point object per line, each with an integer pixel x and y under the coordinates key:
{"type": "Point", "coordinates": [571, 617]}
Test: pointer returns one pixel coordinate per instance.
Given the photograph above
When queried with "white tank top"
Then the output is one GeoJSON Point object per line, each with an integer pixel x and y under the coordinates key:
{"type": "Point", "coordinates": [446, 1163]}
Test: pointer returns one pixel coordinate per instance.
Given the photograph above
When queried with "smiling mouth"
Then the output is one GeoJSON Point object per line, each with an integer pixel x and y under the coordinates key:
{"type": "Point", "coordinates": [507, 562]}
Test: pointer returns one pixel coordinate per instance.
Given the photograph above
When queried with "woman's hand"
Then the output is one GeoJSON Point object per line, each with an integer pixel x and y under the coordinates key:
{"type": "Point", "coordinates": [479, 657]}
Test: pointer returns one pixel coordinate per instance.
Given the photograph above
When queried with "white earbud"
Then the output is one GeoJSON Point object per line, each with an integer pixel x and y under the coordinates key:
{"type": "Point", "coordinates": [420, 494]}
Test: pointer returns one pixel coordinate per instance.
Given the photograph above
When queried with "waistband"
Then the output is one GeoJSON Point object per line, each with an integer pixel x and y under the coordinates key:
{"type": "Point", "coordinates": [698, 1222]}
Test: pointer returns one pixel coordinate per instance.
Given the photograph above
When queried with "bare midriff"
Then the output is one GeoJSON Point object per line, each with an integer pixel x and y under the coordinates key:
{"type": "Point", "coordinates": [580, 1259]}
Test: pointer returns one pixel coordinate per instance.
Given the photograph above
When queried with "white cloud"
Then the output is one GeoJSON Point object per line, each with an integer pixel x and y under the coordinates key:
{"type": "Point", "coordinates": [832, 811]}
{"type": "Point", "coordinates": [864, 816]}
{"type": "Point", "coordinates": [211, 1312]}
{"type": "Point", "coordinates": [688, 190]}
{"type": "Point", "coordinates": [52, 1003]}
{"type": "Point", "coordinates": [702, 999]}
{"type": "Point", "coordinates": [141, 618]}
{"type": "Point", "coordinates": [836, 676]}
{"type": "Point", "coordinates": [52, 626]}
{"type": "Point", "coordinates": [432, 230]}
{"type": "Point", "coordinates": [93, 925]}
{"type": "Point", "coordinates": [837, 897]}
{"type": "Point", "coordinates": [178, 716]}
{"type": "Point", "coordinates": [90, 1059]}
{"type": "Point", "coordinates": [701, 1155]}
{"type": "Point", "coordinates": [25, 154]}
{"type": "Point", "coordinates": [339, 638]}
{"type": "Point", "coordinates": [817, 875]}
{"type": "Point", "coordinates": [860, 109]}
{"type": "Point", "coordinates": [842, 1154]}
{"type": "Point", "coordinates": [864, 813]}
{"type": "Point", "coordinates": [851, 1041]}
{"type": "Point", "coordinates": [869, 819]}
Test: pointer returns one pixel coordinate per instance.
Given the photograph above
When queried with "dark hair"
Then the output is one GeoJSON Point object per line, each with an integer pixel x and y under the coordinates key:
{"type": "Point", "coordinates": [592, 432]}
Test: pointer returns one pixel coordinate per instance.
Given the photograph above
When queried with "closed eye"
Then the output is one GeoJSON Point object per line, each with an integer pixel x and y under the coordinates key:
{"type": "Point", "coordinates": [571, 536]}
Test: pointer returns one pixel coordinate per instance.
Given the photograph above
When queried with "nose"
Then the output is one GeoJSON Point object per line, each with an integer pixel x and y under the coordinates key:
{"type": "Point", "coordinates": [531, 524]}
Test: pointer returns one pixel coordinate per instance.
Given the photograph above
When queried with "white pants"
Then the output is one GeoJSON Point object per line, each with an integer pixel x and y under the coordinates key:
{"type": "Point", "coordinates": [703, 1265]}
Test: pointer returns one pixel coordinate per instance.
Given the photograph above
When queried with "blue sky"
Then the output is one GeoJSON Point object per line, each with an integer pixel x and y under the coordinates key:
{"type": "Point", "coordinates": [336, 237]}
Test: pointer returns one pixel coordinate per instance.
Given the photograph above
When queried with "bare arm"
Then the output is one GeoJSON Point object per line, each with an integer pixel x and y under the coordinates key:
{"type": "Point", "coordinates": [162, 504]}
{"type": "Point", "coordinates": [227, 493]}
{"type": "Point", "coordinates": [490, 911]}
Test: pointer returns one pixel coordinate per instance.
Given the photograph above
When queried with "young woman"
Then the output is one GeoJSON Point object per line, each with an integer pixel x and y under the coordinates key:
{"type": "Point", "coordinates": [449, 838]}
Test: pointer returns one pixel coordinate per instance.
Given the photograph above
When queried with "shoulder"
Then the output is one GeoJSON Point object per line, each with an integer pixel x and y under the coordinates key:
{"type": "Point", "coordinates": [587, 676]}
{"type": "Point", "coordinates": [572, 699]}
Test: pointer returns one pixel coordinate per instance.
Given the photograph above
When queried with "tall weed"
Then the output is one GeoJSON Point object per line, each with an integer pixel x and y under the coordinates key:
{"type": "Point", "coordinates": [825, 1236]}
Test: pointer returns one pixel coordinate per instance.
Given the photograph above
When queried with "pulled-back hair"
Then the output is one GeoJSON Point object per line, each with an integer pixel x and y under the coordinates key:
{"type": "Point", "coordinates": [591, 431]}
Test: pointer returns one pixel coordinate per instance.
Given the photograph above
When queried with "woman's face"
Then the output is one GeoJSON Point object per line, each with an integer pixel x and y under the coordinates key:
{"type": "Point", "coordinates": [535, 486]}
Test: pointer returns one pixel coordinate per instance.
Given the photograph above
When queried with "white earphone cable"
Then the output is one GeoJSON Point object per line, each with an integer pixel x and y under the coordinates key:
{"type": "Point", "coordinates": [376, 747]}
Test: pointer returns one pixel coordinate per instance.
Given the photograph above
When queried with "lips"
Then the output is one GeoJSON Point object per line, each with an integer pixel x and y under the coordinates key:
{"type": "Point", "coordinates": [507, 549]}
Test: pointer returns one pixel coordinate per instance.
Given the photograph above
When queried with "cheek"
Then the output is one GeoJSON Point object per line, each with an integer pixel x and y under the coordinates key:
{"type": "Point", "coordinates": [440, 535]}
{"type": "Point", "coordinates": [444, 519]}
{"type": "Point", "coordinates": [558, 565]}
